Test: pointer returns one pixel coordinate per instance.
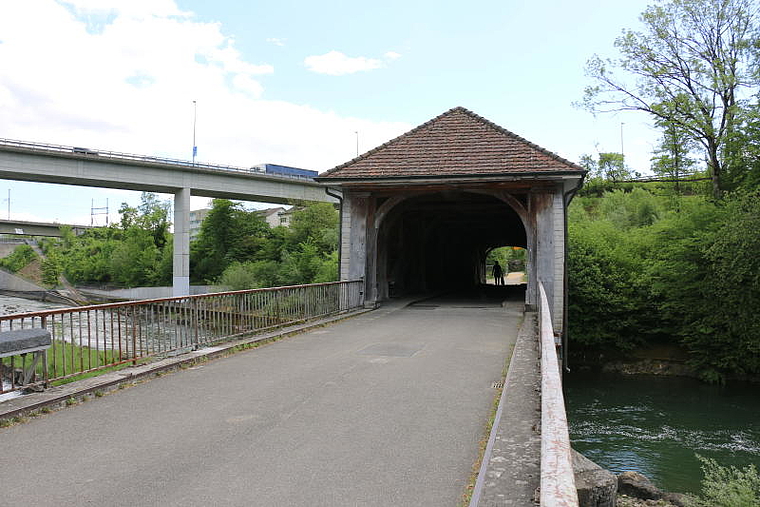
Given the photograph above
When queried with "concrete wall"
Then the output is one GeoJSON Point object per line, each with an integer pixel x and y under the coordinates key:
{"type": "Point", "coordinates": [9, 281]}
{"type": "Point", "coordinates": [138, 293]}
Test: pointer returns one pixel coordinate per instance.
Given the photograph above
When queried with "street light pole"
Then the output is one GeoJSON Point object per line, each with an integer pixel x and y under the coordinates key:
{"type": "Point", "coordinates": [357, 142]}
{"type": "Point", "coordinates": [622, 148]}
{"type": "Point", "coordinates": [195, 119]}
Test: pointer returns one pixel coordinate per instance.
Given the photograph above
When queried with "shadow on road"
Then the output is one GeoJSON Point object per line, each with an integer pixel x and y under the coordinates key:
{"type": "Point", "coordinates": [477, 297]}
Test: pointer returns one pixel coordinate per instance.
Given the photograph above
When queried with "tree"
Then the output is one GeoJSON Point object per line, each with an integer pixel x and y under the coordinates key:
{"type": "Point", "coordinates": [672, 158]}
{"type": "Point", "coordinates": [690, 68]}
{"type": "Point", "coordinates": [229, 234]}
{"type": "Point", "coordinates": [612, 167]}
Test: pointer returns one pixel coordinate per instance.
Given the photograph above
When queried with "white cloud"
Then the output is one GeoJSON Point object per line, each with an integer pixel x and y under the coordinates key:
{"type": "Point", "coordinates": [249, 86]}
{"type": "Point", "coordinates": [138, 8]}
{"type": "Point", "coordinates": [392, 55]}
{"type": "Point", "coordinates": [335, 63]}
{"type": "Point", "coordinates": [129, 87]}
{"type": "Point", "coordinates": [276, 41]}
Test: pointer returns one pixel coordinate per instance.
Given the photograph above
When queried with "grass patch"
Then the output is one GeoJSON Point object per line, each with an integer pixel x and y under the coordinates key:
{"type": "Point", "coordinates": [65, 358]}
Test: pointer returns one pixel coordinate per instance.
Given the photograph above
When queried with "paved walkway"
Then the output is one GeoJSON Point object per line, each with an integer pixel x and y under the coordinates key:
{"type": "Point", "coordinates": [384, 409]}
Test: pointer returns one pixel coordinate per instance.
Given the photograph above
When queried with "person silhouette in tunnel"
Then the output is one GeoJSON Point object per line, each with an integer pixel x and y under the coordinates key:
{"type": "Point", "coordinates": [498, 274]}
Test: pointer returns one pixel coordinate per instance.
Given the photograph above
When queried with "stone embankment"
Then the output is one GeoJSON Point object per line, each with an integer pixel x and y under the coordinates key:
{"type": "Point", "coordinates": [598, 487]}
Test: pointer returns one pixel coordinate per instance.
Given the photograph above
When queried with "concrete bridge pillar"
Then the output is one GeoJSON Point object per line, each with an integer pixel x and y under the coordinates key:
{"type": "Point", "coordinates": [181, 280]}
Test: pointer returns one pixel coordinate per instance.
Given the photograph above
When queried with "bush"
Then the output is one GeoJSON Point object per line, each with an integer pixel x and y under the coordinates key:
{"type": "Point", "coordinates": [690, 274]}
{"type": "Point", "coordinates": [50, 272]}
{"type": "Point", "coordinates": [21, 256]}
{"type": "Point", "coordinates": [608, 304]}
{"type": "Point", "coordinates": [728, 486]}
{"type": "Point", "coordinates": [239, 276]}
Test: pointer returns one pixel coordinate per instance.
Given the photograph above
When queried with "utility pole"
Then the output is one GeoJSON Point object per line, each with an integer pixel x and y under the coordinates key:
{"type": "Point", "coordinates": [98, 211]}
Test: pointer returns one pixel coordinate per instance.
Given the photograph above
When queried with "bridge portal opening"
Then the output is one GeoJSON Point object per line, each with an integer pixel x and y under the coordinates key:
{"type": "Point", "coordinates": [440, 241]}
{"type": "Point", "coordinates": [512, 259]}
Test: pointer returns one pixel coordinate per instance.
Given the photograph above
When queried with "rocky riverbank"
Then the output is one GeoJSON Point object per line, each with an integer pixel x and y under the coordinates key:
{"type": "Point", "coordinates": [627, 501]}
{"type": "Point", "coordinates": [598, 487]}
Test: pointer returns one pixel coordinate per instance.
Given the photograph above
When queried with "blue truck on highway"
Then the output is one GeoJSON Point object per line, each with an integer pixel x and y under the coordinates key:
{"type": "Point", "coordinates": [284, 170]}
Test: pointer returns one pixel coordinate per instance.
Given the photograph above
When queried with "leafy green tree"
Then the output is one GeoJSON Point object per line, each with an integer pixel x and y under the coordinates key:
{"type": "Point", "coordinates": [229, 234]}
{"type": "Point", "coordinates": [305, 252]}
{"type": "Point", "coordinates": [316, 223]}
{"type": "Point", "coordinates": [742, 169]}
{"type": "Point", "coordinates": [727, 338]}
{"type": "Point", "coordinates": [612, 167]}
{"type": "Point", "coordinates": [50, 272]}
{"type": "Point", "coordinates": [688, 67]}
{"type": "Point", "coordinates": [130, 253]}
{"type": "Point", "coordinates": [640, 272]}
{"type": "Point", "coordinates": [672, 158]}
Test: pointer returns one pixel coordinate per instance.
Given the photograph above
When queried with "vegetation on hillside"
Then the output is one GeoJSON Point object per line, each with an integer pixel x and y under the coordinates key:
{"type": "Point", "coordinates": [676, 261]}
{"type": "Point", "coordinates": [646, 269]}
{"type": "Point", "coordinates": [134, 252]}
{"type": "Point", "coordinates": [21, 256]}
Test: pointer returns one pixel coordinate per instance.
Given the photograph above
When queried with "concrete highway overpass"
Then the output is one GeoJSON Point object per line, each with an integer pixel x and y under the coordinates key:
{"type": "Point", "coordinates": [69, 165]}
{"type": "Point", "coordinates": [45, 229]}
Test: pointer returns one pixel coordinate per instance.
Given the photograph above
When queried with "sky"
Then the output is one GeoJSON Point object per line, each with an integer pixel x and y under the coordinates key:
{"type": "Point", "coordinates": [294, 82]}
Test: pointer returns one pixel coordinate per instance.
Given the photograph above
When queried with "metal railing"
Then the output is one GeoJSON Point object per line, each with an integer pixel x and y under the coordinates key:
{"type": "Point", "coordinates": [557, 478]}
{"type": "Point", "coordinates": [90, 338]}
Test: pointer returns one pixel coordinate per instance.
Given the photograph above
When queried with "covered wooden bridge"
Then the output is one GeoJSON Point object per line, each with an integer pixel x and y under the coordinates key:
{"type": "Point", "coordinates": [421, 212]}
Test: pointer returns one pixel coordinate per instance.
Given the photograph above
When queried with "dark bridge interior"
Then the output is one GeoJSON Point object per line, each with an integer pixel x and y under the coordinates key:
{"type": "Point", "coordinates": [439, 241]}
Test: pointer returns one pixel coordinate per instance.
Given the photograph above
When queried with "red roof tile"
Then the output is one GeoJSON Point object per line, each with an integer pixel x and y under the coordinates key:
{"type": "Point", "coordinates": [456, 143]}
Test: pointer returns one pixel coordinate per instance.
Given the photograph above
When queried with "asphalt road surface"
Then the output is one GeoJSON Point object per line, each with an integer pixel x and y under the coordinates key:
{"type": "Point", "coordinates": [383, 409]}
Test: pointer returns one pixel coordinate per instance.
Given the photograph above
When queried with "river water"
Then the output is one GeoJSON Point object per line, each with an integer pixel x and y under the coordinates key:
{"type": "Point", "coordinates": [9, 305]}
{"type": "Point", "coordinates": [657, 425]}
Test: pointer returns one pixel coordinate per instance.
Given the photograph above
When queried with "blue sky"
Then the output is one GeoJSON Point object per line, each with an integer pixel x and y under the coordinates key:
{"type": "Point", "coordinates": [291, 82]}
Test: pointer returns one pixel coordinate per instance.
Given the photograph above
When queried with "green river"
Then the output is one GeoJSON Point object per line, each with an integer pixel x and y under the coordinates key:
{"type": "Point", "coordinates": [656, 425]}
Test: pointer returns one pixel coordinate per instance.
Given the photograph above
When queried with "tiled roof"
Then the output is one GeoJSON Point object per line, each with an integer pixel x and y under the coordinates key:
{"type": "Point", "coordinates": [456, 143]}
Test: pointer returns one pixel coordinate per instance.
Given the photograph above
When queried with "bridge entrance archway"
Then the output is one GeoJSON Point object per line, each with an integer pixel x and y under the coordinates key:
{"type": "Point", "coordinates": [438, 241]}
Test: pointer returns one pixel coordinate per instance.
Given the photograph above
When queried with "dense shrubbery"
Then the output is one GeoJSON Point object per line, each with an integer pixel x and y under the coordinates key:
{"type": "Point", "coordinates": [21, 256]}
{"type": "Point", "coordinates": [647, 268]}
{"type": "Point", "coordinates": [727, 486]}
{"type": "Point", "coordinates": [237, 249]}
{"type": "Point", "coordinates": [135, 252]}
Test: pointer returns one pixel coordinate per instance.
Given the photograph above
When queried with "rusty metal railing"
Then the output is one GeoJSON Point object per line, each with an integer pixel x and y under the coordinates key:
{"type": "Point", "coordinates": [91, 338]}
{"type": "Point", "coordinates": [557, 478]}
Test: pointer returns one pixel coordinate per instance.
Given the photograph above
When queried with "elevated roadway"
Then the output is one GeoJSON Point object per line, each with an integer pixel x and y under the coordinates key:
{"type": "Point", "coordinates": [44, 229]}
{"type": "Point", "coordinates": [70, 165]}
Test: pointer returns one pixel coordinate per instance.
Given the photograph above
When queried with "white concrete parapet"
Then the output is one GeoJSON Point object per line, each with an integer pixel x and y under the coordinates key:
{"type": "Point", "coordinates": [557, 479]}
